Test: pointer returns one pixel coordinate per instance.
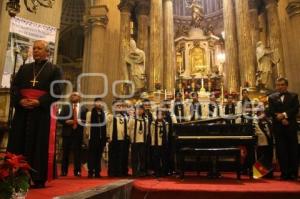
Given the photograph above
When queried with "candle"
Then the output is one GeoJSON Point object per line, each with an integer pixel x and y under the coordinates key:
{"type": "Point", "coordinates": [131, 28]}
{"type": "Point", "coordinates": [180, 69]}
{"type": "Point", "coordinates": [202, 83]}
{"type": "Point", "coordinates": [183, 95]}
{"type": "Point", "coordinates": [165, 94]}
{"type": "Point", "coordinates": [174, 93]}
{"type": "Point", "coordinates": [241, 91]}
{"type": "Point", "coordinates": [222, 94]}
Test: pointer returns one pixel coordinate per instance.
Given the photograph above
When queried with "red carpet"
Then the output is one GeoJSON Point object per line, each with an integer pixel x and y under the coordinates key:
{"type": "Point", "coordinates": [225, 188]}
{"type": "Point", "coordinates": [191, 187]}
{"type": "Point", "coordinates": [68, 185]}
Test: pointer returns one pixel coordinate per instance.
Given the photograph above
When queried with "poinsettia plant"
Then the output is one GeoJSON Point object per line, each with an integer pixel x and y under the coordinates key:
{"type": "Point", "coordinates": [14, 175]}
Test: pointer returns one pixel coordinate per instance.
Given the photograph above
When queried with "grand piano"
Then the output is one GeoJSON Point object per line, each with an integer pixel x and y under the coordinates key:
{"type": "Point", "coordinates": [214, 134]}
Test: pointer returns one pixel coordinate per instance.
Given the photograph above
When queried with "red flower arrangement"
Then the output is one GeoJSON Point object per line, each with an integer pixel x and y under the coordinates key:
{"type": "Point", "coordinates": [14, 175]}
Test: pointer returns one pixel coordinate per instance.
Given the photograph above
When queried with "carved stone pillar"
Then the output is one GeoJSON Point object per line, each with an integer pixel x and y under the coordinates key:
{"type": "Point", "coordinates": [156, 44]}
{"type": "Point", "coordinates": [231, 51]}
{"type": "Point", "coordinates": [125, 7]}
{"type": "Point", "coordinates": [169, 46]}
{"type": "Point", "coordinates": [293, 10]}
{"type": "Point", "coordinates": [142, 11]}
{"type": "Point", "coordinates": [262, 20]}
{"type": "Point", "coordinates": [275, 34]}
{"type": "Point", "coordinates": [254, 25]}
{"type": "Point", "coordinates": [86, 49]}
{"type": "Point", "coordinates": [246, 56]}
{"type": "Point", "coordinates": [94, 47]}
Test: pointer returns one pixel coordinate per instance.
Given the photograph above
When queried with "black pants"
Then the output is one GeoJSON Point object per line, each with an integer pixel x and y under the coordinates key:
{"type": "Point", "coordinates": [72, 143]}
{"type": "Point", "coordinates": [287, 150]}
{"type": "Point", "coordinates": [95, 151]}
{"type": "Point", "coordinates": [159, 160]}
{"type": "Point", "coordinates": [118, 158]}
{"type": "Point", "coordinates": [138, 159]}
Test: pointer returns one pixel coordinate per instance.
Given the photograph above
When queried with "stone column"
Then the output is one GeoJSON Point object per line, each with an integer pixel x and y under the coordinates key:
{"type": "Point", "coordinates": [86, 47]}
{"type": "Point", "coordinates": [96, 23]}
{"type": "Point", "coordinates": [231, 51]}
{"type": "Point", "coordinates": [293, 10]}
{"type": "Point", "coordinates": [142, 11]}
{"type": "Point", "coordinates": [156, 44]}
{"type": "Point", "coordinates": [169, 46]}
{"type": "Point", "coordinates": [275, 34]}
{"type": "Point", "coordinates": [125, 7]}
{"type": "Point", "coordinates": [262, 20]}
{"type": "Point", "coordinates": [246, 56]}
{"type": "Point", "coordinates": [254, 25]}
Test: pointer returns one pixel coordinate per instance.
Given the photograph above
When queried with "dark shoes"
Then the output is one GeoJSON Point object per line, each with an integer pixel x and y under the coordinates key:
{"type": "Point", "coordinates": [289, 177]}
{"type": "Point", "coordinates": [77, 174]}
{"type": "Point", "coordinates": [38, 186]}
{"type": "Point", "coordinates": [91, 175]}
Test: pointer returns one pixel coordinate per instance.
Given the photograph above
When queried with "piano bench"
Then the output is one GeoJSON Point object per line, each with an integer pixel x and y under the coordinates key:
{"type": "Point", "coordinates": [214, 152]}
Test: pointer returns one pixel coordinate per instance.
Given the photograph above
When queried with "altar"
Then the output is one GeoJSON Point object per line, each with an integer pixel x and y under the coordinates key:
{"type": "Point", "coordinates": [198, 63]}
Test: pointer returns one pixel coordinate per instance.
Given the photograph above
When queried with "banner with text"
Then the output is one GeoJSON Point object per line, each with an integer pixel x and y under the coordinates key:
{"type": "Point", "coordinates": [22, 34]}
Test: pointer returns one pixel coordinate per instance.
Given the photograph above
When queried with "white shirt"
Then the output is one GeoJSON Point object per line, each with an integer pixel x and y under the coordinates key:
{"type": "Point", "coordinates": [159, 133]}
{"type": "Point", "coordinates": [120, 126]}
{"type": "Point", "coordinates": [140, 134]}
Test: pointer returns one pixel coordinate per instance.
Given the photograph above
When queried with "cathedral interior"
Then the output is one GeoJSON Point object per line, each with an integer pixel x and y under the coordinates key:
{"type": "Point", "coordinates": [206, 60]}
{"type": "Point", "coordinates": [205, 46]}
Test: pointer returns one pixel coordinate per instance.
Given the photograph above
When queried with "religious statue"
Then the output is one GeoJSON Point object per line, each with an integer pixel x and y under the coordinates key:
{"type": "Point", "coordinates": [135, 61]}
{"type": "Point", "coordinates": [197, 13]}
{"type": "Point", "coordinates": [265, 66]}
{"type": "Point", "coordinates": [197, 61]}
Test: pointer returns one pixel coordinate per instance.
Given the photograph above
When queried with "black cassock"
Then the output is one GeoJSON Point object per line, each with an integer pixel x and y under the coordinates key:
{"type": "Point", "coordinates": [29, 135]}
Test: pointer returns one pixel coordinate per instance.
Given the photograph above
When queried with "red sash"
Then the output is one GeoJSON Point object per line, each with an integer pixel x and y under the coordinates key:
{"type": "Point", "coordinates": [35, 94]}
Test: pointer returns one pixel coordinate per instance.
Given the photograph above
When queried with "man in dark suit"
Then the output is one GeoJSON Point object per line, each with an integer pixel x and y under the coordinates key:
{"type": "Point", "coordinates": [283, 108]}
{"type": "Point", "coordinates": [73, 117]}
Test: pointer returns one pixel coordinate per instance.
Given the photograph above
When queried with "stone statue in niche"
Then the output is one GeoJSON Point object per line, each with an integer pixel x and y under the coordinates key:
{"type": "Point", "coordinates": [135, 62]}
{"type": "Point", "coordinates": [265, 61]}
{"type": "Point", "coordinates": [197, 13]}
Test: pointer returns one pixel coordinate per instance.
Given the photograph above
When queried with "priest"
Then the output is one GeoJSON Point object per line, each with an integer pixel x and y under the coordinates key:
{"type": "Point", "coordinates": [34, 91]}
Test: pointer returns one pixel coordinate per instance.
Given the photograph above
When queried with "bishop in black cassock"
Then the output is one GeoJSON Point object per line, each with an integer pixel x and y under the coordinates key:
{"type": "Point", "coordinates": [32, 99]}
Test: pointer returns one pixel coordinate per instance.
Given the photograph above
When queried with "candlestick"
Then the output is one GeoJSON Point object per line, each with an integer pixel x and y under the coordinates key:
{"type": "Point", "coordinates": [165, 94]}
{"type": "Point", "coordinates": [174, 93]}
{"type": "Point", "coordinates": [241, 93]}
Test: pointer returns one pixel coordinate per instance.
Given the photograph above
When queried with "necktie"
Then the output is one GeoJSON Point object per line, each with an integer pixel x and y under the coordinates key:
{"type": "Point", "coordinates": [141, 127]}
{"type": "Point", "coordinates": [75, 119]}
{"type": "Point", "coordinates": [156, 136]}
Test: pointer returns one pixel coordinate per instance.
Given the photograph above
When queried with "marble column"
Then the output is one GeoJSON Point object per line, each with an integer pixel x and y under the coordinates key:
{"type": "Point", "coordinates": [96, 23]}
{"type": "Point", "coordinates": [125, 7]}
{"type": "Point", "coordinates": [262, 21]}
{"type": "Point", "coordinates": [142, 12]}
{"type": "Point", "coordinates": [169, 46]}
{"type": "Point", "coordinates": [156, 44]}
{"type": "Point", "coordinates": [254, 25]}
{"type": "Point", "coordinates": [293, 10]}
{"type": "Point", "coordinates": [231, 68]}
{"type": "Point", "coordinates": [86, 47]}
{"type": "Point", "coordinates": [246, 55]}
{"type": "Point", "coordinates": [274, 35]}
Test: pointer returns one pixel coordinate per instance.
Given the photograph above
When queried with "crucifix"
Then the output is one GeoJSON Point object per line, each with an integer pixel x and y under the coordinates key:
{"type": "Point", "coordinates": [34, 81]}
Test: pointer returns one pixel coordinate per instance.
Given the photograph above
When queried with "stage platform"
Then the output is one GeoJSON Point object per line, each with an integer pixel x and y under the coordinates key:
{"type": "Point", "coordinates": [226, 187]}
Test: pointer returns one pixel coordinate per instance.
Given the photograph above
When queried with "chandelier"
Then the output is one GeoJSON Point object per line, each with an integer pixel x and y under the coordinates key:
{"type": "Point", "coordinates": [13, 6]}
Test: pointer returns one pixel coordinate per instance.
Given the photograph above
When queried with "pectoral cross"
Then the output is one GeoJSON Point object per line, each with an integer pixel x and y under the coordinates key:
{"type": "Point", "coordinates": [34, 81]}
